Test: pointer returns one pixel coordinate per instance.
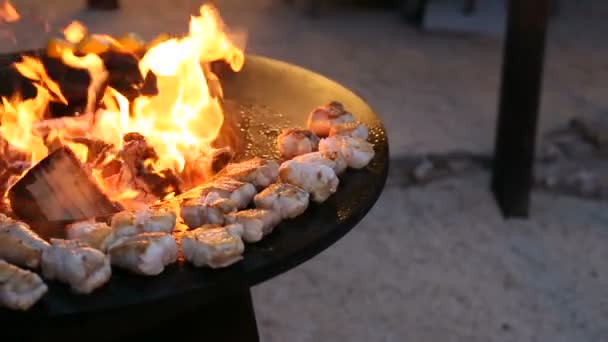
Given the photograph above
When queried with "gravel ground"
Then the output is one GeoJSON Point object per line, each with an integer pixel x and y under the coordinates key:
{"type": "Point", "coordinates": [442, 265]}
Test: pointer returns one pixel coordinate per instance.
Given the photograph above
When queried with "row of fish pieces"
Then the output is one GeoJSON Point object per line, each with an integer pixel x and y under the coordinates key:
{"type": "Point", "coordinates": [215, 200]}
{"type": "Point", "coordinates": [233, 191]}
{"type": "Point", "coordinates": [216, 246]}
{"type": "Point", "coordinates": [72, 262]}
{"type": "Point", "coordinates": [276, 202]}
{"type": "Point", "coordinates": [139, 241]}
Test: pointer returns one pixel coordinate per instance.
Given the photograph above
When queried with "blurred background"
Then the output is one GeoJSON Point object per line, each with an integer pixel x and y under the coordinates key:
{"type": "Point", "coordinates": [434, 260]}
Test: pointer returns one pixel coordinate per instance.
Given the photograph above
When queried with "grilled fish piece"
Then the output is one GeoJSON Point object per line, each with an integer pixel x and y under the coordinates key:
{"type": "Point", "coordinates": [19, 245]}
{"type": "Point", "coordinates": [285, 199]}
{"type": "Point", "coordinates": [145, 254]}
{"type": "Point", "coordinates": [321, 119]}
{"type": "Point", "coordinates": [357, 152]}
{"type": "Point", "coordinates": [19, 289]}
{"type": "Point", "coordinates": [75, 263]}
{"type": "Point", "coordinates": [318, 180]}
{"type": "Point", "coordinates": [257, 171]}
{"type": "Point", "coordinates": [214, 246]}
{"type": "Point", "coordinates": [294, 142]}
{"type": "Point", "coordinates": [126, 223]}
{"type": "Point", "coordinates": [350, 129]}
{"type": "Point", "coordinates": [208, 210]}
{"type": "Point", "coordinates": [331, 159]}
{"type": "Point", "coordinates": [256, 223]}
{"type": "Point", "coordinates": [240, 193]}
{"type": "Point", "coordinates": [94, 234]}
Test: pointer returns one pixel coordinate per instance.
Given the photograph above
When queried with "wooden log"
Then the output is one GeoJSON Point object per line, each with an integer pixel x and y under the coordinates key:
{"type": "Point", "coordinates": [57, 191]}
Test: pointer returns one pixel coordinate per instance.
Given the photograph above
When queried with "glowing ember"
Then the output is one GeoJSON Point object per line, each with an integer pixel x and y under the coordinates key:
{"type": "Point", "coordinates": [178, 124]}
{"type": "Point", "coordinates": [8, 13]}
{"type": "Point", "coordinates": [75, 32]}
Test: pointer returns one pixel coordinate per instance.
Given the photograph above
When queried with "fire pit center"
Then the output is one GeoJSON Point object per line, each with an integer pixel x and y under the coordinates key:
{"type": "Point", "coordinates": [155, 136]}
{"type": "Point", "coordinates": [264, 95]}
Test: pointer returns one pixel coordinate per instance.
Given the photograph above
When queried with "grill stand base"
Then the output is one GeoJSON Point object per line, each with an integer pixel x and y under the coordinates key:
{"type": "Point", "coordinates": [227, 318]}
{"type": "Point", "coordinates": [230, 318]}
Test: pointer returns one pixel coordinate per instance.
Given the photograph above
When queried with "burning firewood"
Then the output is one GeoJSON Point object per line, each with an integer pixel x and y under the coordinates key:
{"type": "Point", "coordinates": [138, 159]}
{"type": "Point", "coordinates": [57, 191]}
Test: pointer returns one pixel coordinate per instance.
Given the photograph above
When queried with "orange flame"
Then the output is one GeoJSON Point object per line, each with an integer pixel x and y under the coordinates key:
{"type": "Point", "coordinates": [18, 119]}
{"type": "Point", "coordinates": [8, 13]}
{"type": "Point", "coordinates": [183, 116]}
{"type": "Point", "coordinates": [33, 69]}
{"type": "Point", "coordinates": [180, 122]}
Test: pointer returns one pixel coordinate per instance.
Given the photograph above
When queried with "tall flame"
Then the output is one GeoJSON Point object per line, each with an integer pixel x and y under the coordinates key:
{"type": "Point", "coordinates": [184, 114]}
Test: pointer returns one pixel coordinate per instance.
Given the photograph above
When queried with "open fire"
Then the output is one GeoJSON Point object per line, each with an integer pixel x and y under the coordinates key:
{"type": "Point", "coordinates": [168, 135]}
{"type": "Point", "coordinates": [98, 189]}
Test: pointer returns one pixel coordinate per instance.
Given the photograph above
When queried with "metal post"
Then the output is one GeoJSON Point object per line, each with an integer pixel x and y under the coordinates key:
{"type": "Point", "coordinates": [519, 101]}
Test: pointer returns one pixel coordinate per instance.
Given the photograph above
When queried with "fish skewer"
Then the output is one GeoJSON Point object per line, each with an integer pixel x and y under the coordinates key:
{"type": "Point", "coordinates": [357, 152]}
{"type": "Point", "coordinates": [95, 234]}
{"type": "Point", "coordinates": [257, 171]}
{"type": "Point", "coordinates": [213, 245]}
{"type": "Point", "coordinates": [145, 254]}
{"type": "Point", "coordinates": [318, 180]}
{"type": "Point", "coordinates": [19, 289]}
{"type": "Point", "coordinates": [196, 212]}
{"type": "Point", "coordinates": [294, 142]}
{"type": "Point", "coordinates": [285, 199]}
{"type": "Point", "coordinates": [149, 220]}
{"type": "Point", "coordinates": [240, 193]}
{"type": "Point", "coordinates": [256, 223]}
{"type": "Point", "coordinates": [75, 263]}
{"type": "Point", "coordinates": [321, 119]}
{"type": "Point", "coordinates": [331, 159]}
{"type": "Point", "coordinates": [19, 245]}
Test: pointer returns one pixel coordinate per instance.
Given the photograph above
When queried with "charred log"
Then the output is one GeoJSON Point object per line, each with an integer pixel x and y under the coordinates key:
{"type": "Point", "coordinates": [57, 191]}
{"type": "Point", "coordinates": [124, 76]}
{"type": "Point", "coordinates": [139, 158]}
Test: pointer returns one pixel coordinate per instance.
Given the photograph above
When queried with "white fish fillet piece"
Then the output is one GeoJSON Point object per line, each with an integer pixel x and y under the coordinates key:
{"type": "Point", "coordinates": [256, 223]}
{"type": "Point", "coordinates": [357, 152]}
{"type": "Point", "coordinates": [294, 142]}
{"type": "Point", "coordinates": [208, 210]}
{"type": "Point", "coordinates": [150, 220]}
{"type": "Point", "coordinates": [75, 263]}
{"type": "Point", "coordinates": [94, 234]}
{"type": "Point", "coordinates": [240, 193]}
{"type": "Point", "coordinates": [19, 289]}
{"type": "Point", "coordinates": [321, 119]}
{"type": "Point", "coordinates": [19, 245]}
{"type": "Point", "coordinates": [213, 246]}
{"type": "Point", "coordinates": [350, 129]}
{"type": "Point", "coordinates": [145, 254]}
{"type": "Point", "coordinates": [318, 180]}
{"type": "Point", "coordinates": [285, 199]}
{"type": "Point", "coordinates": [257, 171]}
{"type": "Point", "coordinates": [331, 159]}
